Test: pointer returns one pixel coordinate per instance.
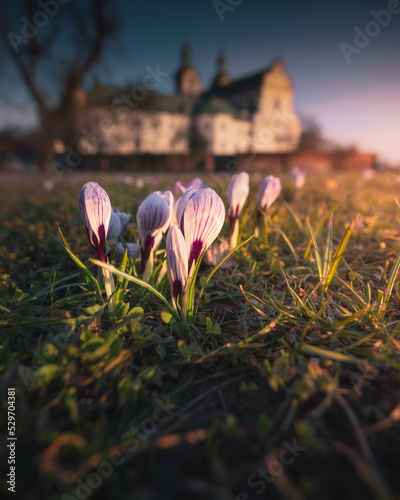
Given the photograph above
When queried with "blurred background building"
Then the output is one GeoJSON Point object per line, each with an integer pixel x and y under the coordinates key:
{"type": "Point", "coordinates": [253, 114]}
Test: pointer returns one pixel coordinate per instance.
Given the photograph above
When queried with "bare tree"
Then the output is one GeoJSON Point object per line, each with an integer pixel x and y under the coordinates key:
{"type": "Point", "coordinates": [54, 47]}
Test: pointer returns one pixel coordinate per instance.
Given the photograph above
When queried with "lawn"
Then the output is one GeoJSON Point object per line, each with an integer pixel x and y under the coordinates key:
{"type": "Point", "coordinates": [285, 387]}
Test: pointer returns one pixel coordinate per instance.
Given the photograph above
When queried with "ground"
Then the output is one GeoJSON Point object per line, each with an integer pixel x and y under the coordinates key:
{"type": "Point", "coordinates": [287, 386]}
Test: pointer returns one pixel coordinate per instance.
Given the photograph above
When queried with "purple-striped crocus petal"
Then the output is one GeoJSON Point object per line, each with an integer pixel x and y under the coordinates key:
{"type": "Point", "coordinates": [114, 229]}
{"type": "Point", "coordinates": [238, 191]}
{"type": "Point", "coordinates": [168, 197]}
{"type": "Point", "coordinates": [179, 207]}
{"type": "Point", "coordinates": [95, 208]}
{"type": "Point", "coordinates": [152, 215]}
{"type": "Point", "coordinates": [268, 192]}
{"type": "Point", "coordinates": [177, 261]}
{"type": "Point", "coordinates": [197, 184]}
{"type": "Point", "coordinates": [132, 248]}
{"type": "Point", "coordinates": [201, 221]}
{"type": "Point", "coordinates": [124, 219]}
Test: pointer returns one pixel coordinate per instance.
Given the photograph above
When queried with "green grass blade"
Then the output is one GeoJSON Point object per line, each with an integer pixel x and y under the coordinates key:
{"type": "Point", "coordinates": [316, 250]}
{"type": "Point", "coordinates": [328, 248]}
{"type": "Point", "coordinates": [139, 282]}
{"type": "Point", "coordinates": [218, 266]}
{"type": "Point", "coordinates": [329, 354]}
{"type": "Point", "coordinates": [318, 228]}
{"type": "Point", "coordinates": [86, 274]}
{"type": "Point", "coordinates": [339, 253]}
{"type": "Point", "coordinates": [285, 237]}
{"type": "Point", "coordinates": [296, 297]}
{"type": "Point", "coordinates": [385, 295]}
{"type": "Point", "coordinates": [190, 311]}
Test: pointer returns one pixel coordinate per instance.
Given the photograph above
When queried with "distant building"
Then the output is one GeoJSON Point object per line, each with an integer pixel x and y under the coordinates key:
{"type": "Point", "coordinates": [253, 114]}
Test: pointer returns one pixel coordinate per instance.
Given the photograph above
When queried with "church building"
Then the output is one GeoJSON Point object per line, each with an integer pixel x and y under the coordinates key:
{"type": "Point", "coordinates": [253, 114]}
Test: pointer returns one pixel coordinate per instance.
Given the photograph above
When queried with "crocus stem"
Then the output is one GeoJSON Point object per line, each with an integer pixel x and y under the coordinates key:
{"type": "Point", "coordinates": [234, 233]}
{"type": "Point", "coordinates": [109, 286]}
{"type": "Point", "coordinates": [162, 272]}
{"type": "Point", "coordinates": [265, 229]}
{"type": "Point", "coordinates": [148, 270]}
{"type": "Point", "coordinates": [257, 228]}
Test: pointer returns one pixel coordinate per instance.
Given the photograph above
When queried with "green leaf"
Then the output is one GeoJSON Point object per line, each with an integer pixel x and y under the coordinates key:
{"type": "Point", "coordinates": [216, 329]}
{"type": "Point", "coordinates": [166, 316]}
{"type": "Point", "coordinates": [92, 344]}
{"type": "Point", "coordinates": [139, 282]}
{"type": "Point", "coordinates": [46, 374]}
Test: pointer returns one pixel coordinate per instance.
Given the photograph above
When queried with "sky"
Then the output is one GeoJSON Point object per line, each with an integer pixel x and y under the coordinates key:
{"type": "Point", "coordinates": [344, 63]}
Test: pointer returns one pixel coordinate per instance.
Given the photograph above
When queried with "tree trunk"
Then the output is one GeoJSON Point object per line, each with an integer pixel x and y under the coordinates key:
{"type": "Point", "coordinates": [50, 128]}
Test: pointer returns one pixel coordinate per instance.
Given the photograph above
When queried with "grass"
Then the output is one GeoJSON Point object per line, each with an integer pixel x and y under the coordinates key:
{"type": "Point", "coordinates": [286, 386]}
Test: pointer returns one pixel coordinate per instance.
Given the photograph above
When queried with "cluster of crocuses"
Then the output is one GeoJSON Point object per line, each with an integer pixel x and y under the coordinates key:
{"type": "Point", "coordinates": [193, 224]}
{"type": "Point", "coordinates": [238, 191]}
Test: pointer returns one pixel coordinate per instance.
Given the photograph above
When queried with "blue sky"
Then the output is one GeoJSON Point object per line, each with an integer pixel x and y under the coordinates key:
{"type": "Point", "coordinates": [355, 101]}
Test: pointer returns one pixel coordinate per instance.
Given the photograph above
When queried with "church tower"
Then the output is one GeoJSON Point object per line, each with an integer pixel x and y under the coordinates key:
{"type": "Point", "coordinates": [221, 78]}
{"type": "Point", "coordinates": [187, 79]}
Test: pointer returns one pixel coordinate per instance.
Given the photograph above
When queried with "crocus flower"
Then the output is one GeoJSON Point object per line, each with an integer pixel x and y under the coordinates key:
{"type": "Point", "coordinates": [298, 175]}
{"type": "Point", "coordinates": [196, 184]}
{"type": "Point", "coordinates": [200, 215]}
{"type": "Point", "coordinates": [153, 218]}
{"type": "Point", "coordinates": [238, 191]}
{"type": "Point", "coordinates": [114, 229]}
{"type": "Point", "coordinates": [95, 208]}
{"type": "Point", "coordinates": [177, 263]}
{"type": "Point", "coordinates": [132, 248]}
{"type": "Point", "coordinates": [123, 218]}
{"type": "Point", "coordinates": [118, 224]}
{"type": "Point", "coordinates": [269, 190]}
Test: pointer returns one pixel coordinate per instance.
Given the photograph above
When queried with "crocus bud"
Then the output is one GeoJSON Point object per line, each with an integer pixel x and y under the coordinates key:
{"type": "Point", "coordinates": [168, 197]}
{"type": "Point", "coordinates": [118, 225]}
{"type": "Point", "coordinates": [268, 192]}
{"type": "Point", "coordinates": [123, 218]}
{"type": "Point", "coordinates": [177, 262]}
{"type": "Point", "coordinates": [95, 208]}
{"type": "Point", "coordinates": [238, 191]}
{"type": "Point", "coordinates": [114, 229]}
{"type": "Point", "coordinates": [200, 216]}
{"type": "Point", "coordinates": [153, 218]}
{"type": "Point", "coordinates": [132, 248]}
{"type": "Point", "coordinates": [196, 184]}
{"type": "Point", "coordinates": [298, 175]}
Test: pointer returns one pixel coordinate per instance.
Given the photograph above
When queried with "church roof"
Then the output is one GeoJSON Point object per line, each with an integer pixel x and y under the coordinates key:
{"type": "Point", "coordinates": [214, 105]}
{"type": "Point", "coordinates": [246, 83]}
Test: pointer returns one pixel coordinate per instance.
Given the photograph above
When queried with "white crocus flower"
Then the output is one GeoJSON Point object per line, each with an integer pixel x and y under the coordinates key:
{"type": "Point", "coordinates": [177, 264]}
{"type": "Point", "coordinates": [200, 216]}
{"type": "Point", "coordinates": [238, 191]}
{"type": "Point", "coordinates": [153, 218]}
{"type": "Point", "coordinates": [95, 208]}
{"type": "Point", "coordinates": [269, 190]}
